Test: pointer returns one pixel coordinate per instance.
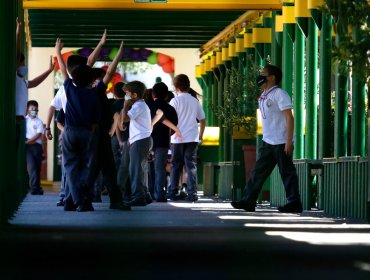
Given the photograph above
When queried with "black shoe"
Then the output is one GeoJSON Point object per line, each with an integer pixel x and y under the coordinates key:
{"type": "Point", "coordinates": [244, 206]}
{"type": "Point", "coordinates": [97, 199]}
{"type": "Point", "coordinates": [148, 198]}
{"type": "Point", "coordinates": [69, 205]}
{"type": "Point", "coordinates": [85, 207]}
{"type": "Point", "coordinates": [291, 207]}
{"type": "Point", "coordinates": [137, 203]}
{"type": "Point", "coordinates": [191, 198]}
{"type": "Point", "coordinates": [161, 199]}
{"type": "Point", "coordinates": [182, 195]}
{"type": "Point", "coordinates": [61, 202]}
{"type": "Point", "coordinates": [119, 206]}
{"type": "Point", "coordinates": [37, 192]}
{"type": "Point", "coordinates": [173, 197]}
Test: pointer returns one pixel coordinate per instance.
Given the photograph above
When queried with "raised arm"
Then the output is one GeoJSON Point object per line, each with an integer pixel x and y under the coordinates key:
{"type": "Point", "coordinates": [18, 39]}
{"type": "Point", "coordinates": [112, 67]}
{"type": "Point", "coordinates": [95, 54]}
{"type": "Point", "coordinates": [62, 66]}
{"type": "Point", "coordinates": [39, 79]}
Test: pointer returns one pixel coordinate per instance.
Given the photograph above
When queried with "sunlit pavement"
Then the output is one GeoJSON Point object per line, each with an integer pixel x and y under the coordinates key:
{"type": "Point", "coordinates": [207, 239]}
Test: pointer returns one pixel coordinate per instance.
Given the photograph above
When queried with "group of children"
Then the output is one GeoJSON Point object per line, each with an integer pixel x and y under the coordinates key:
{"type": "Point", "coordinates": [136, 126]}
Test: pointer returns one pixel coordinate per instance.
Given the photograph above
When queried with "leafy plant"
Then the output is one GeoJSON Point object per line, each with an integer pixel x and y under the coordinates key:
{"type": "Point", "coordinates": [240, 99]}
{"type": "Point", "coordinates": [351, 18]}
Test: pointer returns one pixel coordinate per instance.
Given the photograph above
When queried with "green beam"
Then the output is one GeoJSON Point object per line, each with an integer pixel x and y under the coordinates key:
{"type": "Point", "coordinates": [276, 46]}
{"type": "Point", "coordinates": [221, 87]}
{"type": "Point", "coordinates": [325, 128]}
{"type": "Point", "coordinates": [358, 120]}
{"type": "Point", "coordinates": [287, 64]}
{"type": "Point", "coordinates": [311, 93]}
{"type": "Point", "coordinates": [341, 100]}
{"type": "Point", "coordinates": [298, 100]}
{"type": "Point", "coordinates": [8, 190]}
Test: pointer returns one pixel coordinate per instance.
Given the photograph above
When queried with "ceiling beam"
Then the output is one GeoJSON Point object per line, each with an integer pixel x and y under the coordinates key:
{"type": "Point", "coordinates": [169, 5]}
{"type": "Point", "coordinates": [232, 30]}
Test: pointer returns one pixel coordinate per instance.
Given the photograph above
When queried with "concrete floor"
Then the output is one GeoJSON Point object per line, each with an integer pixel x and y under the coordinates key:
{"type": "Point", "coordinates": [203, 240]}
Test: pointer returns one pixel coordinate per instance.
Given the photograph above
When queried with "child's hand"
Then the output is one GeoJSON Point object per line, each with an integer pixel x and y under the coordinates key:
{"type": "Point", "coordinates": [19, 25]}
{"type": "Point", "coordinates": [103, 37]}
{"type": "Point", "coordinates": [58, 45]}
{"type": "Point", "coordinates": [52, 63]}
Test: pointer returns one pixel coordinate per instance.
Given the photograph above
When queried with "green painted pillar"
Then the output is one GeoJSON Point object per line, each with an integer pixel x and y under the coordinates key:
{"type": "Point", "coordinates": [358, 120]}
{"type": "Point", "coordinates": [341, 100]}
{"type": "Point", "coordinates": [298, 100]}
{"type": "Point", "coordinates": [8, 190]}
{"type": "Point", "coordinates": [227, 131]}
{"type": "Point", "coordinates": [210, 81]}
{"type": "Point", "coordinates": [277, 41]}
{"type": "Point", "coordinates": [311, 93]}
{"type": "Point", "coordinates": [221, 87]}
{"type": "Point", "coordinates": [267, 23]}
{"type": "Point", "coordinates": [216, 81]}
{"type": "Point", "coordinates": [287, 64]}
{"type": "Point", "coordinates": [325, 128]}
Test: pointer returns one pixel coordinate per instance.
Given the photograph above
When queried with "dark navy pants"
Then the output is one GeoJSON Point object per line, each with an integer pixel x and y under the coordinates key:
{"type": "Point", "coordinates": [267, 158]}
{"type": "Point", "coordinates": [34, 160]}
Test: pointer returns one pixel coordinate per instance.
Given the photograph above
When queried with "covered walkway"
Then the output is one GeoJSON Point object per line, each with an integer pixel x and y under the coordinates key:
{"type": "Point", "coordinates": [204, 240]}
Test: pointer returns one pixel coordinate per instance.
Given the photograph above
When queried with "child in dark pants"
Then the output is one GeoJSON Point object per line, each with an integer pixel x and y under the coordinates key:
{"type": "Point", "coordinates": [34, 132]}
{"type": "Point", "coordinates": [81, 118]}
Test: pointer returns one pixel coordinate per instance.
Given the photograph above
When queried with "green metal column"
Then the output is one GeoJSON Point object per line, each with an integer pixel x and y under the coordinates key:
{"type": "Point", "coordinates": [358, 120]}
{"type": "Point", "coordinates": [221, 86]}
{"type": "Point", "coordinates": [267, 23]}
{"type": "Point", "coordinates": [298, 101]}
{"type": "Point", "coordinates": [210, 80]}
{"type": "Point", "coordinates": [311, 93]}
{"type": "Point", "coordinates": [226, 131]}
{"type": "Point", "coordinates": [287, 82]}
{"type": "Point", "coordinates": [288, 39]}
{"type": "Point", "coordinates": [341, 98]}
{"type": "Point", "coordinates": [325, 129]}
{"type": "Point", "coordinates": [8, 188]}
{"type": "Point", "coordinates": [277, 40]}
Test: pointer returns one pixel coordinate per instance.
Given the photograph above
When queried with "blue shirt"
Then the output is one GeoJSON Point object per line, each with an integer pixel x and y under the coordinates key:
{"type": "Point", "coordinates": [82, 109]}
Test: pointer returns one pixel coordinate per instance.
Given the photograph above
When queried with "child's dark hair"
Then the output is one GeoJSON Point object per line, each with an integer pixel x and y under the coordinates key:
{"type": "Point", "coordinates": [182, 82]}
{"type": "Point", "coordinates": [32, 103]}
{"type": "Point", "coordinates": [160, 90]}
{"type": "Point", "coordinates": [74, 61]}
{"type": "Point", "coordinates": [83, 75]}
{"type": "Point", "coordinates": [118, 90]}
{"type": "Point", "coordinates": [136, 87]}
{"type": "Point", "coordinates": [274, 71]}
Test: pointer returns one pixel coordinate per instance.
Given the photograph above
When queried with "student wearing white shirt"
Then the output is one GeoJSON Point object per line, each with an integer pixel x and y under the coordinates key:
{"type": "Point", "coordinates": [34, 132]}
{"type": "Point", "coordinates": [184, 151]}
{"type": "Point", "coordinates": [277, 144]}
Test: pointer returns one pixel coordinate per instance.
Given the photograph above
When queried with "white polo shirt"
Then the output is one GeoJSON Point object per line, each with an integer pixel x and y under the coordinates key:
{"type": "Point", "coordinates": [60, 100]}
{"type": "Point", "coordinates": [188, 110]}
{"type": "Point", "coordinates": [21, 96]}
{"type": "Point", "coordinates": [140, 121]}
{"type": "Point", "coordinates": [272, 103]}
{"type": "Point", "coordinates": [34, 126]}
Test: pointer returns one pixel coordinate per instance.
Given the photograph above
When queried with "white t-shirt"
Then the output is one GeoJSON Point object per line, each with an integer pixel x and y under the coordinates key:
{"type": "Point", "coordinates": [60, 100]}
{"type": "Point", "coordinates": [21, 96]}
{"type": "Point", "coordinates": [272, 103]}
{"type": "Point", "coordinates": [34, 126]}
{"type": "Point", "coordinates": [188, 110]}
{"type": "Point", "coordinates": [140, 121]}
